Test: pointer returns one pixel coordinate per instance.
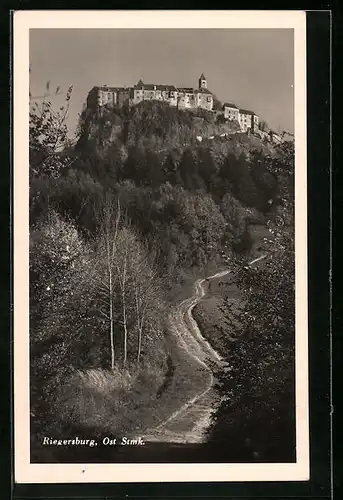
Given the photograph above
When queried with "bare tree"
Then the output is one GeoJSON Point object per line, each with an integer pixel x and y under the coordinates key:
{"type": "Point", "coordinates": [103, 275]}
{"type": "Point", "coordinates": [121, 263]}
{"type": "Point", "coordinates": [125, 278]}
{"type": "Point", "coordinates": [144, 288]}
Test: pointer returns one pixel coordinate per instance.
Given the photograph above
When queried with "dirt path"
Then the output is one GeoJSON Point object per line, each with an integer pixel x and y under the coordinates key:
{"type": "Point", "coordinates": [188, 423]}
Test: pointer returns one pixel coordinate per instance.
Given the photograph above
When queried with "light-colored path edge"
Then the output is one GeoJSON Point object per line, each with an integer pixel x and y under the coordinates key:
{"type": "Point", "coordinates": [208, 353]}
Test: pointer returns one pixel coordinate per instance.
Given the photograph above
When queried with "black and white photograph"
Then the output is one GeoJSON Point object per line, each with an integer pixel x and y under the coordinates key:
{"type": "Point", "coordinates": [160, 244]}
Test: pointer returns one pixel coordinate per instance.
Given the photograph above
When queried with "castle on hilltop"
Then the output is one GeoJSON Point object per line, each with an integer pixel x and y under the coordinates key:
{"type": "Point", "coordinates": [180, 97]}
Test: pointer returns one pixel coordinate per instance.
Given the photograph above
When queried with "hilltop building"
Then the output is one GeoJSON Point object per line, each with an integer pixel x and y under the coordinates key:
{"type": "Point", "coordinates": [231, 111]}
{"type": "Point", "coordinates": [180, 97]}
{"type": "Point", "coordinates": [248, 120]}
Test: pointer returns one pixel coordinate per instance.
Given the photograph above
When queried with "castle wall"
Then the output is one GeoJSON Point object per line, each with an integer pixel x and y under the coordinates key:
{"type": "Point", "coordinates": [123, 97]}
{"type": "Point", "coordinates": [245, 121]}
{"type": "Point", "coordinates": [255, 123]}
{"type": "Point", "coordinates": [205, 101]}
{"type": "Point", "coordinates": [231, 113]}
{"type": "Point", "coordinates": [187, 100]}
{"type": "Point", "coordinates": [107, 97]}
{"type": "Point", "coordinates": [184, 98]}
{"type": "Point", "coordinates": [172, 98]}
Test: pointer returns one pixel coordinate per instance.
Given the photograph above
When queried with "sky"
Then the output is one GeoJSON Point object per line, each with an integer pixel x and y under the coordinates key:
{"type": "Point", "coordinates": [253, 68]}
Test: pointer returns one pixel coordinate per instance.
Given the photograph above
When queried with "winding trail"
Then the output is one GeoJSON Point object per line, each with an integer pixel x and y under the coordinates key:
{"type": "Point", "coordinates": [188, 424]}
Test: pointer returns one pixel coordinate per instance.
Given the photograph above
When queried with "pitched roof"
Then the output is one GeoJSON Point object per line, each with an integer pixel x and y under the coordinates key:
{"type": "Point", "coordinates": [202, 76]}
{"type": "Point", "coordinates": [165, 87]}
{"type": "Point", "coordinates": [246, 112]}
{"type": "Point", "coordinates": [108, 89]}
{"type": "Point", "coordinates": [204, 91]}
{"type": "Point", "coordinates": [170, 87]}
{"type": "Point", "coordinates": [188, 90]}
{"type": "Point", "coordinates": [230, 105]}
{"type": "Point", "coordinates": [151, 86]}
{"type": "Point", "coordinates": [144, 86]}
{"type": "Point", "coordinates": [139, 85]}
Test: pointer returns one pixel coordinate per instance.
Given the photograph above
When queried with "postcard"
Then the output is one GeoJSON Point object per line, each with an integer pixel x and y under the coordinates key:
{"type": "Point", "coordinates": [160, 251]}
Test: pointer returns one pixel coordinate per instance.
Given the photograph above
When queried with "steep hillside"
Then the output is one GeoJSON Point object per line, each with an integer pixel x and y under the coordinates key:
{"type": "Point", "coordinates": [150, 199]}
{"type": "Point", "coordinates": [158, 127]}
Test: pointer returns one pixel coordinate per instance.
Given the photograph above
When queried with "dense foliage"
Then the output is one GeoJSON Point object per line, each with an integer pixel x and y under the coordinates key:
{"type": "Point", "coordinates": [256, 418]}
{"type": "Point", "coordinates": [119, 219]}
{"type": "Point", "coordinates": [257, 413]}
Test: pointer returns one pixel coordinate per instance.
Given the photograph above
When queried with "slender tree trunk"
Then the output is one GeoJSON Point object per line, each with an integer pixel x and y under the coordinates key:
{"type": "Point", "coordinates": [110, 267]}
{"type": "Point", "coordinates": [111, 324]}
{"type": "Point", "coordinates": [138, 321]}
{"type": "Point", "coordinates": [140, 332]}
{"type": "Point", "coordinates": [110, 296]}
{"type": "Point", "coordinates": [139, 345]}
{"type": "Point", "coordinates": [140, 338]}
{"type": "Point", "coordinates": [124, 308]}
{"type": "Point", "coordinates": [109, 218]}
{"type": "Point", "coordinates": [125, 329]}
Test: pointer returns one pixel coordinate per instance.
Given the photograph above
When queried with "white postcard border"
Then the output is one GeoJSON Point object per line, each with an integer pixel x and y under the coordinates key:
{"type": "Point", "coordinates": [72, 473]}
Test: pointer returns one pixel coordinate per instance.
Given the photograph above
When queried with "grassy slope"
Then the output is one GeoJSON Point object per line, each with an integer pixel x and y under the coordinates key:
{"type": "Point", "coordinates": [104, 404]}
{"type": "Point", "coordinates": [214, 326]}
{"type": "Point", "coordinates": [217, 329]}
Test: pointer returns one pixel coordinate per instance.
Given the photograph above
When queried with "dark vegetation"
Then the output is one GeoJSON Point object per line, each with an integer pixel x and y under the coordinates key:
{"type": "Point", "coordinates": [118, 220]}
{"type": "Point", "coordinates": [259, 384]}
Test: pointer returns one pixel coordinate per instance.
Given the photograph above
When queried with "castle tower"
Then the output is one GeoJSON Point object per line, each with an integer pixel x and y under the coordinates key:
{"type": "Point", "coordinates": [202, 82]}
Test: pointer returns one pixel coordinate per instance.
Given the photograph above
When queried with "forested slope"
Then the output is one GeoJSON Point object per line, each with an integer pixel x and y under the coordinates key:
{"type": "Point", "coordinates": [119, 222]}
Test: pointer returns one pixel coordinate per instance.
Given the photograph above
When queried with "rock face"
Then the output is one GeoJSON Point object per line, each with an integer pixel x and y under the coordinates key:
{"type": "Point", "coordinates": [154, 126]}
